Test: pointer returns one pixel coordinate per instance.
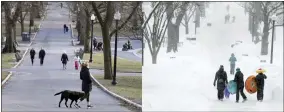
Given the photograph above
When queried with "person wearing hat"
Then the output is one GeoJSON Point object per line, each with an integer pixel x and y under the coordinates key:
{"type": "Point", "coordinates": [239, 79]}
{"type": "Point", "coordinates": [86, 82]}
{"type": "Point", "coordinates": [232, 63]}
{"type": "Point", "coordinates": [260, 83]}
{"type": "Point", "coordinates": [221, 78]}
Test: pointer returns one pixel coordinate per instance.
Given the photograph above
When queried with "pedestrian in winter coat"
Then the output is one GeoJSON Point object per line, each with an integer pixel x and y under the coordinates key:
{"type": "Point", "coordinates": [64, 28]}
{"type": "Point", "coordinates": [222, 81]}
{"type": "Point", "coordinates": [41, 56]}
{"type": "Point", "coordinates": [64, 59]}
{"type": "Point", "coordinates": [86, 82]}
{"type": "Point", "coordinates": [239, 79]}
{"type": "Point", "coordinates": [95, 43]}
{"type": "Point", "coordinates": [32, 54]}
{"type": "Point", "coordinates": [232, 63]}
{"type": "Point", "coordinates": [260, 83]}
{"type": "Point", "coordinates": [67, 29]}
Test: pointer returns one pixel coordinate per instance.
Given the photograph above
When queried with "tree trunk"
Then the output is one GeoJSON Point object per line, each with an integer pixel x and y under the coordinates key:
{"type": "Point", "coordinates": [264, 40]}
{"type": "Point", "coordinates": [186, 27]}
{"type": "Point", "coordinates": [14, 33]}
{"type": "Point", "coordinates": [107, 53]}
{"type": "Point", "coordinates": [154, 58]}
{"type": "Point", "coordinates": [176, 38]}
{"type": "Point", "coordinates": [87, 35]}
{"type": "Point", "coordinates": [171, 36]}
{"type": "Point", "coordinates": [9, 46]}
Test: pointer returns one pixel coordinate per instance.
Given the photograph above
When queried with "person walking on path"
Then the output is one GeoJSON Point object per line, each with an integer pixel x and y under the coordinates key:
{"type": "Point", "coordinates": [64, 59]}
{"type": "Point", "coordinates": [86, 82]}
{"type": "Point", "coordinates": [239, 79]}
{"type": "Point", "coordinates": [41, 56]}
{"type": "Point", "coordinates": [260, 84]}
{"type": "Point", "coordinates": [95, 43]}
{"type": "Point", "coordinates": [232, 63]}
{"type": "Point", "coordinates": [32, 54]}
{"type": "Point", "coordinates": [64, 28]}
{"type": "Point", "coordinates": [222, 81]}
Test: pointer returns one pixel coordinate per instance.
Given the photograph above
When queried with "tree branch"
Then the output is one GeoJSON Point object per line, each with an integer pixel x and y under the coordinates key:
{"type": "Point", "coordinates": [275, 8]}
{"type": "Point", "coordinates": [97, 13]}
{"type": "Point", "coordinates": [148, 18]}
{"type": "Point", "coordinates": [128, 18]}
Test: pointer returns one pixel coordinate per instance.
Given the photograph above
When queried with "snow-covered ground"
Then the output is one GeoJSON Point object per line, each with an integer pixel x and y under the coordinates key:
{"type": "Point", "coordinates": [185, 83]}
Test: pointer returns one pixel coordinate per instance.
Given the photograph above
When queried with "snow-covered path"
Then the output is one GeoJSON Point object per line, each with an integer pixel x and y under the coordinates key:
{"type": "Point", "coordinates": [186, 82]}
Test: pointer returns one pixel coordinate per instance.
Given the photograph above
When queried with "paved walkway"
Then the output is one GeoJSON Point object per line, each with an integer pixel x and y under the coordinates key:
{"type": "Point", "coordinates": [34, 87]}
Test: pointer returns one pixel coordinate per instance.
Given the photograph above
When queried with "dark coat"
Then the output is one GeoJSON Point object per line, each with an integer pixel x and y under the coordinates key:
{"type": "Point", "coordinates": [86, 79]}
{"type": "Point", "coordinates": [260, 80]}
{"type": "Point", "coordinates": [64, 58]}
{"type": "Point", "coordinates": [221, 78]}
{"type": "Point", "coordinates": [239, 79]}
{"type": "Point", "coordinates": [41, 54]}
{"type": "Point", "coordinates": [32, 53]}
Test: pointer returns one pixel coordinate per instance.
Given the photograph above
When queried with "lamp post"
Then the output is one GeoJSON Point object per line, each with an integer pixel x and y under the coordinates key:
{"type": "Point", "coordinates": [273, 18]}
{"type": "Point", "coordinates": [91, 50]}
{"type": "Point", "coordinates": [142, 21]}
{"type": "Point", "coordinates": [117, 17]}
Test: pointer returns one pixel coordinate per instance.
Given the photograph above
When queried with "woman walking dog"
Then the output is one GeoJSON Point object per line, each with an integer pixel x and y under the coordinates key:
{"type": "Point", "coordinates": [86, 82]}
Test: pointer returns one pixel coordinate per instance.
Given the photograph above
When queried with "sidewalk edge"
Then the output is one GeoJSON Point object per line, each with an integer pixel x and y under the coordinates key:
{"type": "Point", "coordinates": [7, 78]}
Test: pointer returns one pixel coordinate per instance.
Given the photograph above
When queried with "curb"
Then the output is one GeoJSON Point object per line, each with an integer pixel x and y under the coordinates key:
{"type": "Point", "coordinates": [7, 78]}
{"type": "Point", "coordinates": [130, 103]}
{"type": "Point", "coordinates": [11, 73]}
{"type": "Point", "coordinates": [136, 54]}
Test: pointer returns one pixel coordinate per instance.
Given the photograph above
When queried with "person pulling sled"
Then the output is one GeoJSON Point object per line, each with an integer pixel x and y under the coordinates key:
{"type": "Point", "coordinates": [222, 81]}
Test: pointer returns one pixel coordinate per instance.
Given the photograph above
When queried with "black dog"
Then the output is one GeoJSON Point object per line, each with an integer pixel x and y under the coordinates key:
{"type": "Point", "coordinates": [72, 95]}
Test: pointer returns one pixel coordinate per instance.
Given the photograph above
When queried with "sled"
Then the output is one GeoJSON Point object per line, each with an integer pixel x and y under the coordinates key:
{"type": "Point", "coordinates": [226, 93]}
{"type": "Point", "coordinates": [250, 84]}
{"type": "Point", "coordinates": [232, 87]}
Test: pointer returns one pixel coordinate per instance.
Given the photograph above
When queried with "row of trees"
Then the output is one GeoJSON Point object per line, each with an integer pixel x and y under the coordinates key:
{"type": "Point", "coordinates": [167, 17]}
{"type": "Point", "coordinates": [104, 11]}
{"type": "Point", "coordinates": [261, 12]}
{"type": "Point", "coordinates": [13, 12]}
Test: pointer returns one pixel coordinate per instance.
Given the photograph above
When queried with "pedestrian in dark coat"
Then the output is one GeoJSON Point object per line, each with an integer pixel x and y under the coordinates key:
{"type": "Point", "coordinates": [67, 29]}
{"type": "Point", "coordinates": [239, 79]}
{"type": "Point", "coordinates": [41, 56]}
{"type": "Point", "coordinates": [86, 82]}
{"type": "Point", "coordinates": [232, 63]}
{"type": "Point", "coordinates": [260, 84]}
{"type": "Point", "coordinates": [95, 43]}
{"type": "Point", "coordinates": [64, 59]}
{"type": "Point", "coordinates": [32, 54]}
{"type": "Point", "coordinates": [64, 28]}
{"type": "Point", "coordinates": [222, 81]}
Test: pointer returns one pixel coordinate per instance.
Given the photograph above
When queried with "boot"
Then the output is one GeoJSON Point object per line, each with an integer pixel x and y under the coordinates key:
{"type": "Point", "coordinates": [89, 105]}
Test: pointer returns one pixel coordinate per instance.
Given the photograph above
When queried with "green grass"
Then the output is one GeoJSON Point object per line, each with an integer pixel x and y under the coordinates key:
{"type": "Point", "coordinates": [129, 87]}
{"type": "Point", "coordinates": [98, 32]}
{"type": "Point", "coordinates": [123, 65]}
{"type": "Point", "coordinates": [18, 29]}
{"type": "Point", "coordinates": [7, 60]}
{"type": "Point", "coordinates": [4, 74]}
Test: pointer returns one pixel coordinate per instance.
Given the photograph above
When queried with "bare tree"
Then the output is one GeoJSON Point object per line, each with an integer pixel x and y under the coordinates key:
{"type": "Point", "coordinates": [105, 20]}
{"type": "Point", "coordinates": [12, 12]}
{"type": "Point", "coordinates": [267, 9]}
{"type": "Point", "coordinates": [187, 16]}
{"type": "Point", "coordinates": [179, 10]}
{"type": "Point", "coordinates": [155, 31]}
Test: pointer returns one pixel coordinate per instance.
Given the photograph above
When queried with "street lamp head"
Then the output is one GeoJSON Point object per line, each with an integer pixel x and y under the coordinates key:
{"type": "Point", "coordinates": [273, 17]}
{"type": "Point", "coordinates": [93, 17]}
{"type": "Point", "coordinates": [117, 15]}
